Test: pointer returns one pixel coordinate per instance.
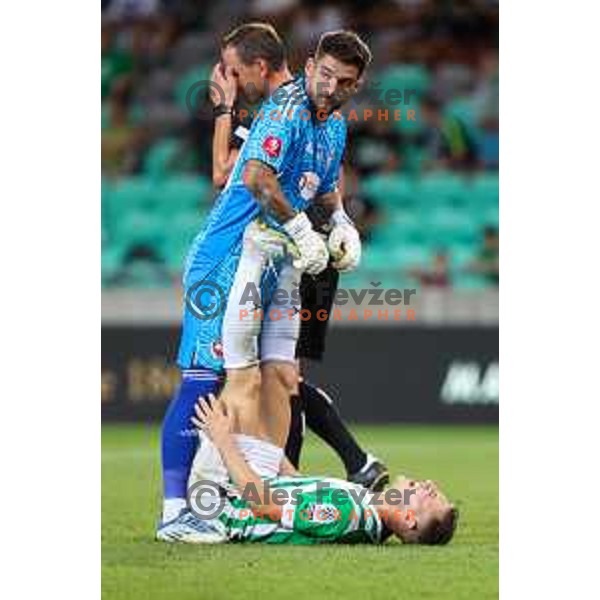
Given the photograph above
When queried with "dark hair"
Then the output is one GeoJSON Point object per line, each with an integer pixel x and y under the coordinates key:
{"type": "Point", "coordinates": [347, 47]}
{"type": "Point", "coordinates": [440, 531]}
{"type": "Point", "coordinates": [257, 40]}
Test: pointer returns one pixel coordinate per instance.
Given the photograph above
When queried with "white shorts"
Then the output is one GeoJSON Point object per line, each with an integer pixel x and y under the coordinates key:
{"type": "Point", "coordinates": [258, 329]}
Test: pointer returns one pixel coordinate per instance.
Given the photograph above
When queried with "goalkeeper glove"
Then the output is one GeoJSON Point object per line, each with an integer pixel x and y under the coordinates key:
{"type": "Point", "coordinates": [312, 249]}
{"type": "Point", "coordinates": [344, 242]}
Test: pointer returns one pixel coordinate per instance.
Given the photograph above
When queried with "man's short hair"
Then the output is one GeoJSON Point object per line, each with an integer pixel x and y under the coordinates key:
{"type": "Point", "coordinates": [254, 41]}
{"type": "Point", "coordinates": [346, 47]}
{"type": "Point", "coordinates": [440, 531]}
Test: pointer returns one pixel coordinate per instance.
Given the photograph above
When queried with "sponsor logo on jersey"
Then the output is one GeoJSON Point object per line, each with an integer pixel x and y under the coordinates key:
{"type": "Point", "coordinates": [308, 185]}
{"type": "Point", "coordinates": [272, 146]}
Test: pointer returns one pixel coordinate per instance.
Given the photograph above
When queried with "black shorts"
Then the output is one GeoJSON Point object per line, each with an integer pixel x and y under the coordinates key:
{"type": "Point", "coordinates": [316, 293]}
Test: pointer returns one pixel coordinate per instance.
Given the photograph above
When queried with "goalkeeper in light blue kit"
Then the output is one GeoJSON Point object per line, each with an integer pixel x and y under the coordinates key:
{"type": "Point", "coordinates": [257, 233]}
{"type": "Point", "coordinates": [303, 510]}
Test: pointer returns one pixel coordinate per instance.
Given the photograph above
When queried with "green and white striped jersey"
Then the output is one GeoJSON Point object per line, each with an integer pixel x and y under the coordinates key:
{"type": "Point", "coordinates": [318, 510]}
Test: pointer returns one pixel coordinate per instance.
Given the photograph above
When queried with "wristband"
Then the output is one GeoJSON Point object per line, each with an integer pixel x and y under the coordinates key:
{"type": "Point", "coordinates": [222, 109]}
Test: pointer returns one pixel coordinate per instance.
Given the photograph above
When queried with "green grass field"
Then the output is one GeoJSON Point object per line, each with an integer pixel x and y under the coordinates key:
{"type": "Point", "coordinates": [463, 459]}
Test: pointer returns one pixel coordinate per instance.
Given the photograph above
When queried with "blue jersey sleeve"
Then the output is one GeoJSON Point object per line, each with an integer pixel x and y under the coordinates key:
{"type": "Point", "coordinates": [331, 180]}
{"type": "Point", "coordinates": [272, 137]}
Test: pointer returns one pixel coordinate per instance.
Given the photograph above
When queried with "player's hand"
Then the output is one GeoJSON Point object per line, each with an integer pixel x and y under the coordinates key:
{"type": "Point", "coordinates": [345, 247]}
{"type": "Point", "coordinates": [313, 254]}
{"type": "Point", "coordinates": [212, 418]}
{"type": "Point", "coordinates": [225, 89]}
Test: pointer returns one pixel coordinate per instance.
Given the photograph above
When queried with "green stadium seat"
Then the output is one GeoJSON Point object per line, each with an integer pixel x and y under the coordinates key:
{"type": "Point", "coordinates": [131, 194]}
{"type": "Point", "coordinates": [484, 190]}
{"type": "Point", "coordinates": [390, 189]}
{"type": "Point", "coordinates": [184, 194]}
{"type": "Point", "coordinates": [461, 255]}
{"type": "Point", "coordinates": [159, 161]}
{"type": "Point", "coordinates": [406, 77]}
{"type": "Point", "coordinates": [488, 216]}
{"type": "Point", "coordinates": [375, 258]}
{"type": "Point", "coordinates": [393, 234]}
{"type": "Point", "coordinates": [112, 261]}
{"type": "Point", "coordinates": [402, 216]}
{"type": "Point", "coordinates": [409, 255]}
{"type": "Point", "coordinates": [181, 230]}
{"type": "Point", "coordinates": [442, 188]}
{"type": "Point", "coordinates": [446, 226]}
{"type": "Point", "coordinates": [188, 81]}
{"type": "Point", "coordinates": [140, 227]}
{"type": "Point", "coordinates": [403, 77]}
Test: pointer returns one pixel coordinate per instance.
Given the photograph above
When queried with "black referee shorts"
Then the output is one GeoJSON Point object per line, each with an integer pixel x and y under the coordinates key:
{"type": "Point", "coordinates": [316, 293]}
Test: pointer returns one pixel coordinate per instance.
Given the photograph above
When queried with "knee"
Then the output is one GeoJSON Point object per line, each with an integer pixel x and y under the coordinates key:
{"type": "Point", "coordinates": [284, 374]}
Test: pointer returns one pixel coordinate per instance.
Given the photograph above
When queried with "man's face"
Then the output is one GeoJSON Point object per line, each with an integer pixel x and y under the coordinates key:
{"type": "Point", "coordinates": [250, 78]}
{"type": "Point", "coordinates": [330, 82]}
{"type": "Point", "coordinates": [424, 499]}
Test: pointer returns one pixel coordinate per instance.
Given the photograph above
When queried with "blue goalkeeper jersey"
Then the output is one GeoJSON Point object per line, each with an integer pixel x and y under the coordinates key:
{"type": "Point", "coordinates": [305, 152]}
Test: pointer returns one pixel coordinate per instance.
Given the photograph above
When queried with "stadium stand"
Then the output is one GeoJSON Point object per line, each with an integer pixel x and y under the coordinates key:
{"type": "Point", "coordinates": [434, 190]}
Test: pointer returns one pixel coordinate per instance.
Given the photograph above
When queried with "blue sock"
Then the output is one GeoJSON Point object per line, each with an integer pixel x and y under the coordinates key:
{"type": "Point", "coordinates": [179, 438]}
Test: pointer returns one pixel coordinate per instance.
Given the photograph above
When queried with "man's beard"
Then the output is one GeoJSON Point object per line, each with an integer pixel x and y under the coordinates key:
{"type": "Point", "coordinates": [330, 104]}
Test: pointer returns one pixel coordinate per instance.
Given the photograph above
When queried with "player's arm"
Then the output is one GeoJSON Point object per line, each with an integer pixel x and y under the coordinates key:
{"type": "Point", "coordinates": [261, 181]}
{"type": "Point", "coordinates": [223, 92]}
{"type": "Point", "coordinates": [223, 157]}
{"type": "Point", "coordinates": [213, 419]}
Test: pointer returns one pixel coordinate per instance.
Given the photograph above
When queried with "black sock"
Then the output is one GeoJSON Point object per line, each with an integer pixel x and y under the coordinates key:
{"type": "Point", "coordinates": [293, 446]}
{"type": "Point", "coordinates": [324, 419]}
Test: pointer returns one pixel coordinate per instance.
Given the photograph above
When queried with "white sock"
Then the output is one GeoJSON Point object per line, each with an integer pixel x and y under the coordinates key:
{"type": "Point", "coordinates": [172, 507]}
{"type": "Point", "coordinates": [264, 457]}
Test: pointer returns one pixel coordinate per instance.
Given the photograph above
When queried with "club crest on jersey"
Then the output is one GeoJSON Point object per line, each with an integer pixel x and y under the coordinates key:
{"type": "Point", "coordinates": [308, 185]}
{"type": "Point", "coordinates": [216, 349]}
{"type": "Point", "coordinates": [272, 146]}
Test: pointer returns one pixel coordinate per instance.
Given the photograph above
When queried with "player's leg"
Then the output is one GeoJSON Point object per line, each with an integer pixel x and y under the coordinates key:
{"type": "Point", "coordinates": [278, 380]}
{"type": "Point", "coordinates": [206, 281]}
{"type": "Point", "coordinates": [279, 336]}
{"type": "Point", "coordinates": [295, 439]}
{"type": "Point", "coordinates": [241, 330]}
{"type": "Point", "coordinates": [179, 439]}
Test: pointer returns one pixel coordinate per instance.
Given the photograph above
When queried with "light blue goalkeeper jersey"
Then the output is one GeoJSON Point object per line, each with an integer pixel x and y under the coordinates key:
{"type": "Point", "coordinates": [306, 154]}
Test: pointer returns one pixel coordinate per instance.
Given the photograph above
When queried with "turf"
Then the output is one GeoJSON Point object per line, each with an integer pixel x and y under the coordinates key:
{"type": "Point", "coordinates": [463, 459]}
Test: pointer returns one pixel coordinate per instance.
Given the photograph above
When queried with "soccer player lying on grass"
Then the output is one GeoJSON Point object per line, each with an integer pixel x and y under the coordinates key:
{"type": "Point", "coordinates": [296, 509]}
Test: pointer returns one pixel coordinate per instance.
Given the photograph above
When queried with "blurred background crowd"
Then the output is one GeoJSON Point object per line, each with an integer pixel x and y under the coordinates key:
{"type": "Point", "coordinates": [424, 192]}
